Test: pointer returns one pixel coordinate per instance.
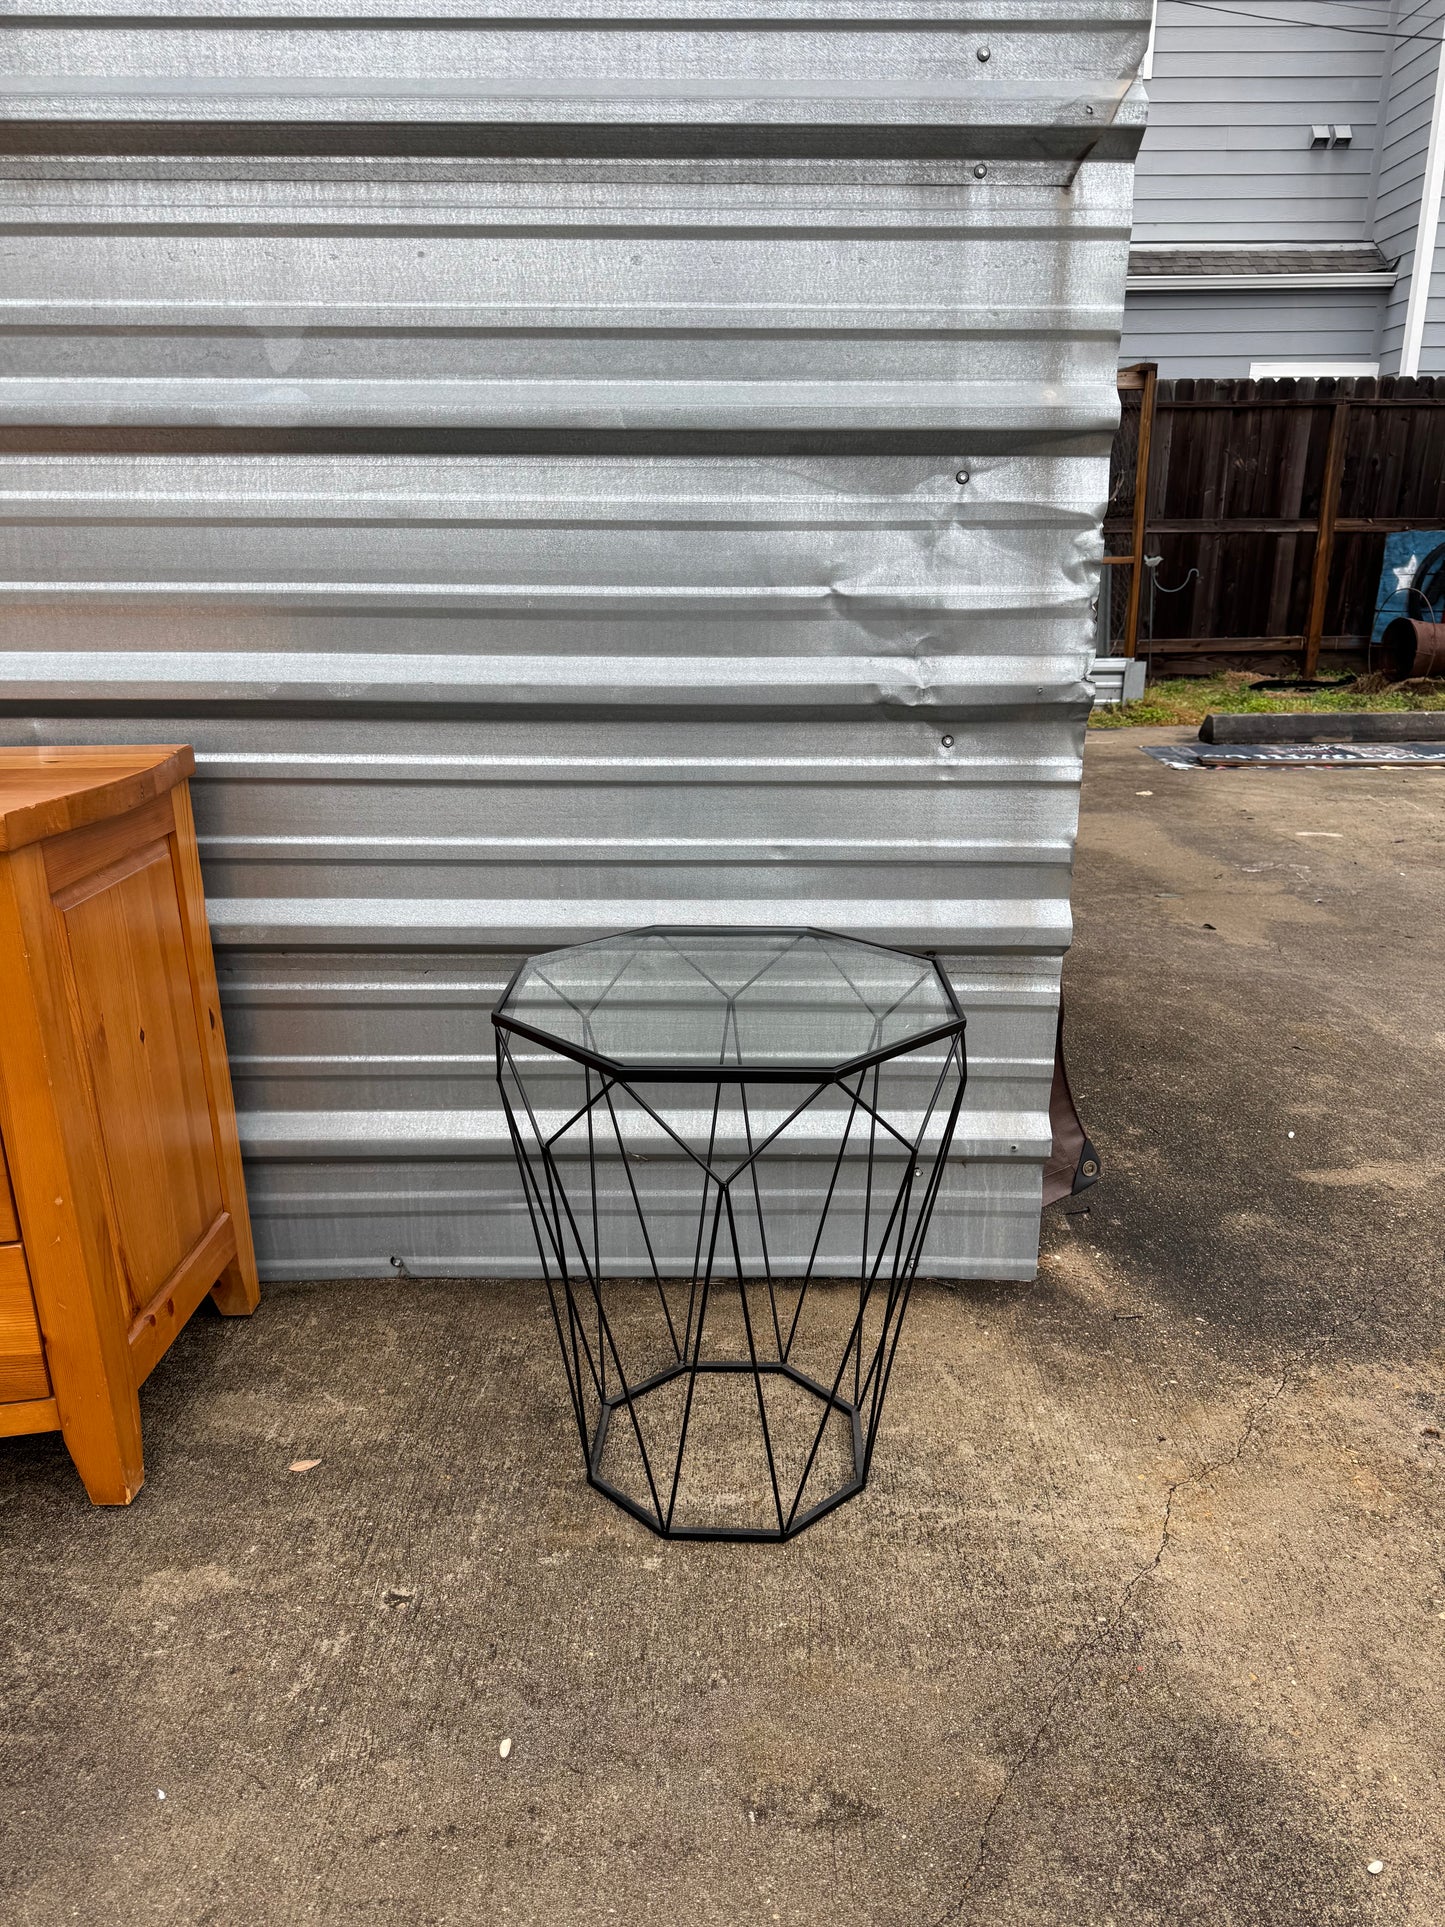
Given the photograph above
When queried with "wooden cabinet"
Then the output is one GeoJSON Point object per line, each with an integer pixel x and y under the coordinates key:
{"type": "Point", "coordinates": [121, 1197]}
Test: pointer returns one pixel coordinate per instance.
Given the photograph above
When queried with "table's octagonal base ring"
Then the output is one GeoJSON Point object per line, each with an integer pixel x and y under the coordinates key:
{"type": "Point", "coordinates": [662, 1521]}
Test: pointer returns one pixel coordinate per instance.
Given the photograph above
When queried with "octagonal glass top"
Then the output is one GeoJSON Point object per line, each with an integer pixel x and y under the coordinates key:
{"type": "Point", "coordinates": [690, 1002]}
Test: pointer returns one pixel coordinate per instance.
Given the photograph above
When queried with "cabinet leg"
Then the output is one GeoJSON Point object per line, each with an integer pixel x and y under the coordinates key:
{"type": "Point", "coordinates": [236, 1292]}
{"type": "Point", "coordinates": [107, 1456]}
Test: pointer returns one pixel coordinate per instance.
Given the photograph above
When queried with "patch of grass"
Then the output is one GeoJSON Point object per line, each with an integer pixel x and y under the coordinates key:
{"type": "Point", "coordinates": [1189, 699]}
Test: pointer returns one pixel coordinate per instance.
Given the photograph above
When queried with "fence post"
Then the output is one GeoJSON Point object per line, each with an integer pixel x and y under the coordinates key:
{"type": "Point", "coordinates": [1325, 535]}
{"type": "Point", "coordinates": [1150, 372]}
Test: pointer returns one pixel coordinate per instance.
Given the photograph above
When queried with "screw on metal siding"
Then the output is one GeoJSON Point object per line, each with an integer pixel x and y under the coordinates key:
{"type": "Point", "coordinates": [983, 53]}
{"type": "Point", "coordinates": [979, 171]}
{"type": "Point", "coordinates": [948, 742]}
{"type": "Point", "coordinates": [962, 475]}
{"type": "Point", "coordinates": [1088, 110]}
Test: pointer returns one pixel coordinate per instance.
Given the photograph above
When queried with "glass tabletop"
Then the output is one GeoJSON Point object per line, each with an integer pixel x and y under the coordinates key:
{"type": "Point", "coordinates": [692, 1001]}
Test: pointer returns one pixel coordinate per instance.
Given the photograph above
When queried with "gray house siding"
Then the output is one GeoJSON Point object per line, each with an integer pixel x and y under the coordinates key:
{"type": "Point", "coordinates": [1221, 331]}
{"type": "Point", "coordinates": [1226, 156]}
{"type": "Point", "coordinates": [1227, 162]}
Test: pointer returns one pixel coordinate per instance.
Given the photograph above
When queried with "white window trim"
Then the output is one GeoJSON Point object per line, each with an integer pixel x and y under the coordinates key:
{"type": "Point", "coordinates": [1267, 370]}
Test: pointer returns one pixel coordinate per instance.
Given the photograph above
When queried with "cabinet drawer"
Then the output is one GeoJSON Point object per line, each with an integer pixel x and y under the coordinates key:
{"type": "Point", "coordinates": [9, 1223]}
{"type": "Point", "coordinates": [22, 1357]}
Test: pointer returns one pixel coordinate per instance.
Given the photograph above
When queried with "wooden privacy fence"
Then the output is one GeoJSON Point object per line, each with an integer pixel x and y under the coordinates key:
{"type": "Point", "coordinates": [1268, 503]}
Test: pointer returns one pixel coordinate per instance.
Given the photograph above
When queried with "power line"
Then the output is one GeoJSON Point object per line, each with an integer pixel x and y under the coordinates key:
{"type": "Point", "coordinates": [1418, 7]}
{"type": "Point", "coordinates": [1283, 20]}
{"type": "Point", "coordinates": [1380, 9]}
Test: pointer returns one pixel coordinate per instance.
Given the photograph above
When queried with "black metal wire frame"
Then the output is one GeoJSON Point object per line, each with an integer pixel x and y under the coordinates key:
{"type": "Point", "coordinates": [568, 1237]}
{"type": "Point", "coordinates": [569, 1247]}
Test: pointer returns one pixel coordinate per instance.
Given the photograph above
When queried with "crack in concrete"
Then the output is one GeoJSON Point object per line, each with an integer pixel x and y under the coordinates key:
{"type": "Point", "coordinates": [1090, 1645]}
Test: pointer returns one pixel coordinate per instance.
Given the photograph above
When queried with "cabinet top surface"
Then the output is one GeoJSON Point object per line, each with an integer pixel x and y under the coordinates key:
{"type": "Point", "coordinates": [44, 792]}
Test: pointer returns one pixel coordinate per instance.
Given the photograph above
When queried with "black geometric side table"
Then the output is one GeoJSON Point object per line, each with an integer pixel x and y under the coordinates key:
{"type": "Point", "coordinates": [730, 1142]}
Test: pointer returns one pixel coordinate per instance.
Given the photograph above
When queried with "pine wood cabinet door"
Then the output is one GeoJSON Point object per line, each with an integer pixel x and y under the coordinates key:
{"type": "Point", "coordinates": [137, 1022]}
{"type": "Point", "coordinates": [142, 990]}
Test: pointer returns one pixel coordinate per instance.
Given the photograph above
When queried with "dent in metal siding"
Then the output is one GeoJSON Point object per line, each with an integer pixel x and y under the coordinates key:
{"type": "Point", "coordinates": [612, 565]}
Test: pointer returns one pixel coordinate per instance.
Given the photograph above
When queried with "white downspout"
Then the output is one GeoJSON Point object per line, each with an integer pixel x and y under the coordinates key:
{"type": "Point", "coordinates": [1422, 271]}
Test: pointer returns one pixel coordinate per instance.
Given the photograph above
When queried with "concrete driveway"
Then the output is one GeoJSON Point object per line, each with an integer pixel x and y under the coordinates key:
{"type": "Point", "coordinates": [1141, 1620]}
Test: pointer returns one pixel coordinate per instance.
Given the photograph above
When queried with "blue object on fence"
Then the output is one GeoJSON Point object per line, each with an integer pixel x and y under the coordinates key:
{"type": "Point", "coordinates": [1412, 579]}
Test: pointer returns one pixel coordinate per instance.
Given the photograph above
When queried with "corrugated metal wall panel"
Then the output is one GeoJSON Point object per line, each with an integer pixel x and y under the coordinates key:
{"type": "Point", "coordinates": [537, 545]}
{"type": "Point", "coordinates": [695, 305]}
{"type": "Point", "coordinates": [884, 64]}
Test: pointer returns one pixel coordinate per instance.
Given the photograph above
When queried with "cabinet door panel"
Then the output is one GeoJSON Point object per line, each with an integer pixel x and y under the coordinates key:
{"type": "Point", "coordinates": [9, 1223]}
{"type": "Point", "coordinates": [22, 1359]}
{"type": "Point", "coordinates": [128, 958]}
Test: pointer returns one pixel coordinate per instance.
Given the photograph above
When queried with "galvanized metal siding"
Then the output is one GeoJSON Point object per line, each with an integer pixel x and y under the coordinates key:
{"type": "Point", "coordinates": [533, 546]}
{"type": "Point", "coordinates": [467, 297]}
{"type": "Point", "coordinates": [355, 863]}
{"type": "Point", "coordinates": [885, 65]}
